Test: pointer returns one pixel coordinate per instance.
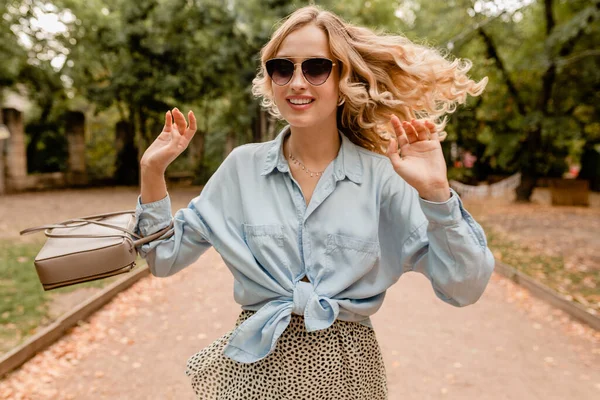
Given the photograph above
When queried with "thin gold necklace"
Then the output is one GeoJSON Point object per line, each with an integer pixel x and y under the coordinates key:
{"type": "Point", "coordinates": [296, 161]}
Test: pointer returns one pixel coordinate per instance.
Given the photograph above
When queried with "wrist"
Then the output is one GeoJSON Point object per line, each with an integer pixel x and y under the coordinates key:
{"type": "Point", "coordinates": [437, 195]}
{"type": "Point", "coordinates": [149, 169]}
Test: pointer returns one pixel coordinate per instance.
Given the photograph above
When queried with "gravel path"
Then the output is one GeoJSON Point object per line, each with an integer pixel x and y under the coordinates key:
{"type": "Point", "coordinates": [507, 346]}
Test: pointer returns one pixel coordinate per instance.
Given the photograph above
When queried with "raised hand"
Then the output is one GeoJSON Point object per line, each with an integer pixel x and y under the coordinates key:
{"type": "Point", "coordinates": [171, 142]}
{"type": "Point", "coordinates": [416, 155]}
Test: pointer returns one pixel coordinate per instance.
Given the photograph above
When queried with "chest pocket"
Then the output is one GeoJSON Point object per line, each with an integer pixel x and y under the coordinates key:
{"type": "Point", "coordinates": [268, 245]}
{"type": "Point", "coordinates": [350, 258]}
{"type": "Point", "coordinates": [348, 252]}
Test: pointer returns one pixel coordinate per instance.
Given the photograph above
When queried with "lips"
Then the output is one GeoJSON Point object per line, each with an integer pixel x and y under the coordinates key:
{"type": "Point", "coordinates": [300, 102]}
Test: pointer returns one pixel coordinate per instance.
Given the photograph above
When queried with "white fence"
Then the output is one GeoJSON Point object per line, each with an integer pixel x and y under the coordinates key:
{"type": "Point", "coordinates": [497, 189]}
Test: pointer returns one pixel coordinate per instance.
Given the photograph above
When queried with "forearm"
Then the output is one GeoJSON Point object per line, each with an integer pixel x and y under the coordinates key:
{"type": "Point", "coordinates": [458, 267]}
{"type": "Point", "coordinates": [189, 240]}
{"type": "Point", "coordinates": [451, 250]}
{"type": "Point", "coordinates": [153, 184]}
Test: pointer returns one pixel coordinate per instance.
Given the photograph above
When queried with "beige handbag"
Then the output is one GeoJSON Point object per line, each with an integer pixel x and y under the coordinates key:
{"type": "Point", "coordinates": [89, 248]}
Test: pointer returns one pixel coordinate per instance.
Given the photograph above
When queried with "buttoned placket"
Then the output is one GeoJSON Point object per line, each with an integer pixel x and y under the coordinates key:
{"type": "Point", "coordinates": [322, 190]}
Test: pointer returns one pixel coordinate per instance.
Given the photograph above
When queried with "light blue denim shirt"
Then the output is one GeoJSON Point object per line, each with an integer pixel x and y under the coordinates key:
{"type": "Point", "coordinates": [363, 228]}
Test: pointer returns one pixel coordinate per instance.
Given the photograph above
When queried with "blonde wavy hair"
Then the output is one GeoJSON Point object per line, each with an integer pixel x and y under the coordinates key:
{"type": "Point", "coordinates": [380, 75]}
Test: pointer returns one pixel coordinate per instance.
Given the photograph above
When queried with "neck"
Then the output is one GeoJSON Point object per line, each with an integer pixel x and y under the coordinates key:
{"type": "Point", "coordinates": [316, 147]}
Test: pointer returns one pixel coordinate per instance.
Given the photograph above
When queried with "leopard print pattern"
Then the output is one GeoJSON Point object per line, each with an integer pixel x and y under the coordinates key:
{"type": "Point", "coordinates": [342, 362]}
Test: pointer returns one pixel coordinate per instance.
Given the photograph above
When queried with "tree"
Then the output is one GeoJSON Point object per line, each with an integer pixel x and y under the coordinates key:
{"type": "Point", "coordinates": [13, 55]}
{"type": "Point", "coordinates": [541, 102]}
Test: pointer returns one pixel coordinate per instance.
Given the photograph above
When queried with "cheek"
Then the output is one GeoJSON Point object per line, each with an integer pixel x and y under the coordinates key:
{"type": "Point", "coordinates": [278, 93]}
{"type": "Point", "coordinates": [330, 92]}
{"type": "Point", "coordinates": [331, 87]}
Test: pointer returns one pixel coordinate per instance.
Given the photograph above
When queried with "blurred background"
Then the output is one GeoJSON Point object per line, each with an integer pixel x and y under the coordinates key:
{"type": "Point", "coordinates": [84, 86]}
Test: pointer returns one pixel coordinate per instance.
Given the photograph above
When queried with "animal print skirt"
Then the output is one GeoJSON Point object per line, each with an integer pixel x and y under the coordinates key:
{"type": "Point", "coordinates": [342, 362]}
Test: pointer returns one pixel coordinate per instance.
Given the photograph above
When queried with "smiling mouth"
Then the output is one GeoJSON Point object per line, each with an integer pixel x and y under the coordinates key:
{"type": "Point", "coordinates": [300, 103]}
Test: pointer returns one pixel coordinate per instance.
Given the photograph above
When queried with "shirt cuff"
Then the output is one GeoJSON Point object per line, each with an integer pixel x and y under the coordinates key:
{"type": "Point", "coordinates": [152, 217]}
{"type": "Point", "coordinates": [443, 213]}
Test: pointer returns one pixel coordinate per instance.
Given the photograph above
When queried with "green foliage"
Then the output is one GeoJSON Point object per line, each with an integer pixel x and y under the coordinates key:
{"type": "Point", "coordinates": [572, 28]}
{"type": "Point", "coordinates": [100, 144]}
{"type": "Point", "coordinates": [508, 118]}
{"type": "Point", "coordinates": [48, 151]}
{"type": "Point", "coordinates": [134, 60]}
{"type": "Point", "coordinates": [13, 55]}
{"type": "Point", "coordinates": [22, 304]}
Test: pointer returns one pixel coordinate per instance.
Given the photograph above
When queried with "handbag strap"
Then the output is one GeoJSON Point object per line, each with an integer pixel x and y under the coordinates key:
{"type": "Point", "coordinates": [162, 234]}
{"type": "Point", "coordinates": [166, 232]}
{"type": "Point", "coordinates": [82, 221]}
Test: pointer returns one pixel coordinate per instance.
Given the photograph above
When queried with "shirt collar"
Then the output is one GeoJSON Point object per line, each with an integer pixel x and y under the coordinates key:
{"type": "Point", "coordinates": [346, 164]}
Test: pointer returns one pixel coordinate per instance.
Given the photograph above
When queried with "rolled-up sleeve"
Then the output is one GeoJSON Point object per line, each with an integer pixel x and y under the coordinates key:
{"type": "Point", "coordinates": [152, 217]}
{"type": "Point", "coordinates": [190, 239]}
{"type": "Point", "coordinates": [439, 240]}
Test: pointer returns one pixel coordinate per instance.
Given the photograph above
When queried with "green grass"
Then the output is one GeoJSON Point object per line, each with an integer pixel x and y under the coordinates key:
{"type": "Point", "coordinates": [24, 305]}
{"type": "Point", "coordinates": [580, 286]}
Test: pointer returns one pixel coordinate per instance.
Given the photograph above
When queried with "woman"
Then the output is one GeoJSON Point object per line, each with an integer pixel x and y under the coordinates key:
{"type": "Point", "coordinates": [317, 224]}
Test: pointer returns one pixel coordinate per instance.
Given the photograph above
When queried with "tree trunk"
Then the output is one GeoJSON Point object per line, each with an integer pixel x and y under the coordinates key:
{"type": "Point", "coordinates": [534, 138]}
{"type": "Point", "coordinates": [257, 129]}
{"type": "Point", "coordinates": [230, 143]}
{"type": "Point", "coordinates": [126, 163]}
{"type": "Point", "coordinates": [200, 139]}
{"type": "Point", "coordinates": [525, 189]}
{"type": "Point", "coordinates": [75, 130]}
{"type": "Point", "coordinates": [2, 177]}
{"type": "Point", "coordinates": [590, 167]}
{"type": "Point", "coordinates": [202, 174]}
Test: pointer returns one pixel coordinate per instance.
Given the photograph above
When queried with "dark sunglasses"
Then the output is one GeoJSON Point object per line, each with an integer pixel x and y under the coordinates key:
{"type": "Point", "coordinates": [315, 70]}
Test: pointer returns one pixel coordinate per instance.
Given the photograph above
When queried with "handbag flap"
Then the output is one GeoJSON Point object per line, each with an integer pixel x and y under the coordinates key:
{"type": "Point", "coordinates": [57, 247]}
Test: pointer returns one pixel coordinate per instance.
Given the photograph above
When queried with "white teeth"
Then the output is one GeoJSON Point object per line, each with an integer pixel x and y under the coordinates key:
{"type": "Point", "coordinates": [300, 101]}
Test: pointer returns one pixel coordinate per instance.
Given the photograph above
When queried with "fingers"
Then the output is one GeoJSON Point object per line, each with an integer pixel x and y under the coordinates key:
{"type": "Point", "coordinates": [411, 132]}
{"type": "Point", "coordinates": [189, 133]}
{"type": "Point", "coordinates": [419, 130]}
{"type": "Point", "coordinates": [392, 153]}
{"type": "Point", "coordinates": [180, 121]}
{"type": "Point", "coordinates": [168, 121]}
{"type": "Point", "coordinates": [422, 130]}
{"type": "Point", "coordinates": [400, 132]}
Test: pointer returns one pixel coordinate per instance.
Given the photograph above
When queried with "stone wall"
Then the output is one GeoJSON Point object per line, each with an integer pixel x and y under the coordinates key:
{"type": "Point", "coordinates": [15, 159]}
{"type": "Point", "coordinates": [13, 156]}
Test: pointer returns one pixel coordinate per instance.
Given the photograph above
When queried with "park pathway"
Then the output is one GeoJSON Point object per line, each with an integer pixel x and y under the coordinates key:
{"type": "Point", "coordinates": [506, 346]}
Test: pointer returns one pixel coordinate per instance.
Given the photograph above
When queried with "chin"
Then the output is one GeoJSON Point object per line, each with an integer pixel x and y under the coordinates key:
{"type": "Point", "coordinates": [301, 121]}
{"type": "Point", "coordinates": [305, 121]}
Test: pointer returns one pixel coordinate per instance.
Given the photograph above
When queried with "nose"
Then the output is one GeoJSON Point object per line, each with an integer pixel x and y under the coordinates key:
{"type": "Point", "coordinates": [298, 81]}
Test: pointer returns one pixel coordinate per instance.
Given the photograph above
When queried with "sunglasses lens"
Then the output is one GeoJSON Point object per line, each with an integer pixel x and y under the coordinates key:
{"type": "Point", "coordinates": [316, 70]}
{"type": "Point", "coordinates": [280, 71]}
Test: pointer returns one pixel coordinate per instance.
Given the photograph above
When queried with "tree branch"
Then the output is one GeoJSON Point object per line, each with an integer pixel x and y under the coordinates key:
{"type": "Point", "coordinates": [493, 53]}
{"type": "Point", "coordinates": [561, 62]}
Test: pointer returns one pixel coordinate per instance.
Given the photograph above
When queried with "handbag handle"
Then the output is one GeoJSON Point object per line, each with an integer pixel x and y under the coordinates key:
{"type": "Point", "coordinates": [82, 220]}
{"type": "Point", "coordinates": [166, 232]}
